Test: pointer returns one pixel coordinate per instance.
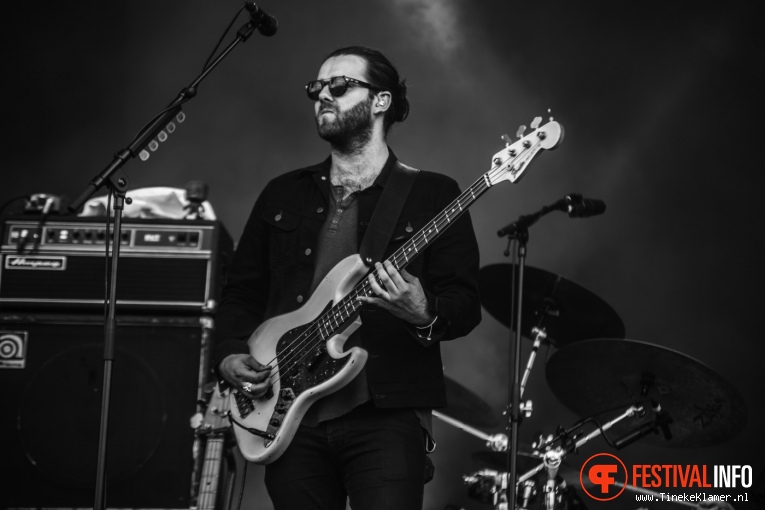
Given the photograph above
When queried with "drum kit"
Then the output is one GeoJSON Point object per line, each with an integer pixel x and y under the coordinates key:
{"type": "Point", "coordinates": [624, 389]}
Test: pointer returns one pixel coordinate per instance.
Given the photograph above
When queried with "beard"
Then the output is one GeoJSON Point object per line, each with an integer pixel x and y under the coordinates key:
{"type": "Point", "coordinates": [350, 130]}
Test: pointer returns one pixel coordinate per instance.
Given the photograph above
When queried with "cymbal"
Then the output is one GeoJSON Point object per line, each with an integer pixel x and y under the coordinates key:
{"type": "Point", "coordinates": [467, 407]}
{"type": "Point", "coordinates": [598, 375]}
{"type": "Point", "coordinates": [567, 311]}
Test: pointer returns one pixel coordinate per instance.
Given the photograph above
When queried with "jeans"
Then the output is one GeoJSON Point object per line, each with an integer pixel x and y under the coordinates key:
{"type": "Point", "coordinates": [374, 457]}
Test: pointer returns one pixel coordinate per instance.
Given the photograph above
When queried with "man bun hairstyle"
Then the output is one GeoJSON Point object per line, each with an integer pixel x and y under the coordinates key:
{"type": "Point", "coordinates": [384, 76]}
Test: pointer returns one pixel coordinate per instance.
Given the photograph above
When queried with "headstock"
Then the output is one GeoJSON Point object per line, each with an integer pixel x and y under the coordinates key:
{"type": "Point", "coordinates": [510, 163]}
{"type": "Point", "coordinates": [216, 414]}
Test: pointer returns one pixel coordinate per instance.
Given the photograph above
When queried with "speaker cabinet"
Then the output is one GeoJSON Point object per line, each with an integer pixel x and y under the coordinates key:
{"type": "Point", "coordinates": [51, 375]}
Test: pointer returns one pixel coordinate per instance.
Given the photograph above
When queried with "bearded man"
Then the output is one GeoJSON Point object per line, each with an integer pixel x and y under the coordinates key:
{"type": "Point", "coordinates": [365, 443]}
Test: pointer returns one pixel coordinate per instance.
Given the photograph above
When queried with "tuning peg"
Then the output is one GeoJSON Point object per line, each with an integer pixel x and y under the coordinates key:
{"type": "Point", "coordinates": [506, 138]}
{"type": "Point", "coordinates": [536, 122]}
{"type": "Point", "coordinates": [521, 130]}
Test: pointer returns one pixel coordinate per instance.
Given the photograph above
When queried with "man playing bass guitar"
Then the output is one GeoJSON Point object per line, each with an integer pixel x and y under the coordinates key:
{"type": "Point", "coordinates": [366, 438]}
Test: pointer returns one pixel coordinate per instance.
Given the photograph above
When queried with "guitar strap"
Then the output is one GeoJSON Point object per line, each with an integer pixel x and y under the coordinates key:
{"type": "Point", "coordinates": [386, 213]}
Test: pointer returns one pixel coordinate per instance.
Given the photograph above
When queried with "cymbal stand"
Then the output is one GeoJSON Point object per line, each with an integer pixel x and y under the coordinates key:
{"type": "Point", "coordinates": [595, 433]}
{"type": "Point", "coordinates": [497, 442]}
{"type": "Point", "coordinates": [539, 335]}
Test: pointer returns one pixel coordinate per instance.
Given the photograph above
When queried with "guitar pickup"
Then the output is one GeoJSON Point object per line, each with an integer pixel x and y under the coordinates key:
{"type": "Point", "coordinates": [315, 356]}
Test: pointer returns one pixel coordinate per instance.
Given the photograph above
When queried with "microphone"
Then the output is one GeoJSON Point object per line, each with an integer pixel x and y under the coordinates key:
{"type": "Point", "coordinates": [661, 420]}
{"type": "Point", "coordinates": [574, 204]}
{"type": "Point", "coordinates": [578, 207]}
{"type": "Point", "coordinates": [641, 431]}
{"type": "Point", "coordinates": [267, 24]}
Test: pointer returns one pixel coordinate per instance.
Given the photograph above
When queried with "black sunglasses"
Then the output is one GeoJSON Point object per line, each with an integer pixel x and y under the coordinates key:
{"type": "Point", "coordinates": [338, 85]}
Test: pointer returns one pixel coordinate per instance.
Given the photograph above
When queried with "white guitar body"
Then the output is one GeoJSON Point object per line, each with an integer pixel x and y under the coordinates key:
{"type": "Point", "coordinates": [263, 347]}
{"type": "Point", "coordinates": [305, 347]}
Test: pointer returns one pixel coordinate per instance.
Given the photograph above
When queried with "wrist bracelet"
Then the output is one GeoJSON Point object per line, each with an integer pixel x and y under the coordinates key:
{"type": "Point", "coordinates": [429, 327]}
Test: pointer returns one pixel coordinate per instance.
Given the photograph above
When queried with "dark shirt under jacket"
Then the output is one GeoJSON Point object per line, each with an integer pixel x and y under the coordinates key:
{"type": "Point", "coordinates": [273, 268]}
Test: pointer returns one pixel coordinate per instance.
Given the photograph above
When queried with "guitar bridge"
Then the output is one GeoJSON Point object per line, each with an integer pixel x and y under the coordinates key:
{"type": "Point", "coordinates": [244, 404]}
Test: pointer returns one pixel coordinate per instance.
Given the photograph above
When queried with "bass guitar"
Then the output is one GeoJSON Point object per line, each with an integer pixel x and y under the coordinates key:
{"type": "Point", "coordinates": [305, 347]}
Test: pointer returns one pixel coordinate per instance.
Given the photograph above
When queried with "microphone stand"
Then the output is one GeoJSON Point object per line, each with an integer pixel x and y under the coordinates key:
{"type": "Point", "coordinates": [118, 184]}
{"type": "Point", "coordinates": [518, 231]}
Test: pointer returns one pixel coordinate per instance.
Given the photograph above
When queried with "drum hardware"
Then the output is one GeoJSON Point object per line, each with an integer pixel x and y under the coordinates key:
{"type": "Point", "coordinates": [528, 491]}
{"type": "Point", "coordinates": [497, 442]}
{"type": "Point", "coordinates": [703, 408]}
{"type": "Point", "coordinates": [489, 484]}
{"type": "Point", "coordinates": [539, 336]}
{"type": "Point", "coordinates": [548, 309]}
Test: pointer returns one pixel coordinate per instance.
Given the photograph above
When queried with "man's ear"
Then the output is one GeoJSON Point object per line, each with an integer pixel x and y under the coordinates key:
{"type": "Point", "coordinates": [383, 101]}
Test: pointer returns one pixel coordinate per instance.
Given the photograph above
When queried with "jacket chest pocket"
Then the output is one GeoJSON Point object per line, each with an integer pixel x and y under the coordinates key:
{"type": "Point", "coordinates": [408, 244]}
{"type": "Point", "coordinates": [282, 236]}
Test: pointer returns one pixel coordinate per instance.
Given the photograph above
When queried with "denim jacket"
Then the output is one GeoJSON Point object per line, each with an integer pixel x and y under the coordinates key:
{"type": "Point", "coordinates": [273, 268]}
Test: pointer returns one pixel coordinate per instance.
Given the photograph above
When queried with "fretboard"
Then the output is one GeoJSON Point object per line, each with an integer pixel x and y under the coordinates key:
{"type": "Point", "coordinates": [208, 485]}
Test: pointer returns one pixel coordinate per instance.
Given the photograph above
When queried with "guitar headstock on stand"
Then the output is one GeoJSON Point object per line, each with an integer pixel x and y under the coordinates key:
{"type": "Point", "coordinates": [212, 431]}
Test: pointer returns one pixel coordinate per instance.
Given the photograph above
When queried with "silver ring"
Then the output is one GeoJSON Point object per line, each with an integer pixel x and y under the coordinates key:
{"type": "Point", "coordinates": [247, 387]}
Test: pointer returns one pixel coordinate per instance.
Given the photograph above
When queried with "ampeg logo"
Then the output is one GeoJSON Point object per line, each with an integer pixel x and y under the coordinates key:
{"type": "Point", "coordinates": [35, 262]}
{"type": "Point", "coordinates": [13, 349]}
{"type": "Point", "coordinates": [603, 476]}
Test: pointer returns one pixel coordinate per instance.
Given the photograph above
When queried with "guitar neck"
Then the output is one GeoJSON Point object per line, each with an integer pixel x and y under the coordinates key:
{"type": "Point", "coordinates": [208, 485]}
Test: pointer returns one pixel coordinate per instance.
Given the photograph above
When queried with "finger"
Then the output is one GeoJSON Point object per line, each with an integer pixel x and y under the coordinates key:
{"type": "Point", "coordinates": [375, 302]}
{"type": "Point", "coordinates": [376, 288]}
{"type": "Point", "coordinates": [385, 279]}
{"type": "Point", "coordinates": [398, 281]}
{"type": "Point", "coordinates": [256, 377]}
{"type": "Point", "coordinates": [256, 366]}
{"type": "Point", "coordinates": [254, 391]}
{"type": "Point", "coordinates": [408, 277]}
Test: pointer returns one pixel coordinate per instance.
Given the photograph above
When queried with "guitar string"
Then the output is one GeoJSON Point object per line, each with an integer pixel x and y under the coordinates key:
{"type": "Point", "coordinates": [309, 336]}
